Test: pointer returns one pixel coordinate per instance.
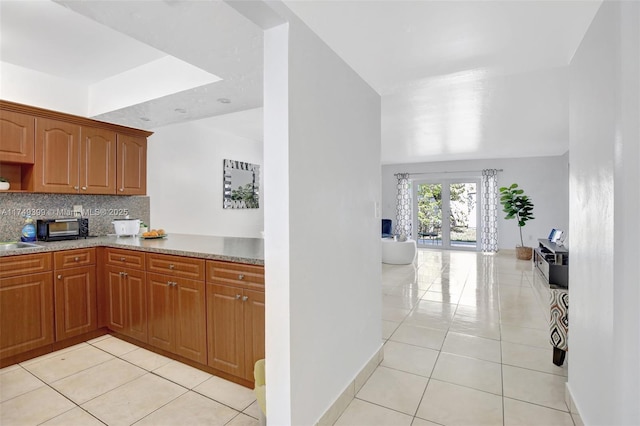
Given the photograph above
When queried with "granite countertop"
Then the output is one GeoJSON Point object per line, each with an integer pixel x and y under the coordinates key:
{"type": "Point", "coordinates": [231, 249]}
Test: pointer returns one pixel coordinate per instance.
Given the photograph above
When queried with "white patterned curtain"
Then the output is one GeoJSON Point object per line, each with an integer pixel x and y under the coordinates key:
{"type": "Point", "coordinates": [489, 210]}
{"type": "Point", "coordinates": [403, 212]}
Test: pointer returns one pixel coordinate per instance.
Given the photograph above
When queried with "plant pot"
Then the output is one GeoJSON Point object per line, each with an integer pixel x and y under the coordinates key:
{"type": "Point", "coordinates": [4, 186]}
{"type": "Point", "coordinates": [524, 253]}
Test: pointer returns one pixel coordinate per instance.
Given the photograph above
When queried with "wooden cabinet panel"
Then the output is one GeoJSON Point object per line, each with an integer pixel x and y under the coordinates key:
{"type": "Point", "coordinates": [115, 299]}
{"type": "Point", "coordinates": [97, 161]}
{"type": "Point", "coordinates": [177, 316]}
{"type": "Point", "coordinates": [74, 258]}
{"type": "Point", "coordinates": [75, 301]}
{"type": "Point", "coordinates": [161, 328]}
{"type": "Point", "coordinates": [57, 156]}
{"type": "Point", "coordinates": [131, 165]}
{"type": "Point", "coordinates": [17, 136]}
{"type": "Point", "coordinates": [176, 266]}
{"type": "Point", "coordinates": [235, 317]}
{"type": "Point", "coordinates": [236, 274]}
{"type": "Point", "coordinates": [225, 329]}
{"type": "Point", "coordinates": [26, 313]}
{"type": "Point", "coordinates": [254, 330]}
{"type": "Point", "coordinates": [136, 304]}
{"type": "Point", "coordinates": [24, 264]}
{"type": "Point", "coordinates": [190, 319]}
{"type": "Point", "coordinates": [126, 301]}
{"type": "Point", "coordinates": [124, 258]}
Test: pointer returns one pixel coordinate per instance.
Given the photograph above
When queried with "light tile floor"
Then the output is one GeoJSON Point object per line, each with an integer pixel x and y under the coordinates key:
{"type": "Point", "coordinates": [465, 343]}
{"type": "Point", "coordinates": [109, 381]}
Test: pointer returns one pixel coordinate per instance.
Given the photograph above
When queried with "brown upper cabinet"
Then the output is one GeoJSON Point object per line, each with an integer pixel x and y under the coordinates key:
{"type": "Point", "coordinates": [16, 137]}
{"type": "Point", "coordinates": [52, 152]}
{"type": "Point", "coordinates": [132, 165]}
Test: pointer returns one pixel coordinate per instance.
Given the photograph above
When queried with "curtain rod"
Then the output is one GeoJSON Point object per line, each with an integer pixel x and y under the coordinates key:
{"type": "Point", "coordinates": [459, 171]}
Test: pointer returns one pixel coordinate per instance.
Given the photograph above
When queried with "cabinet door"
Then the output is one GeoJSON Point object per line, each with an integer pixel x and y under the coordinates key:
{"type": "Point", "coordinates": [131, 165]}
{"type": "Point", "coordinates": [26, 313]}
{"type": "Point", "coordinates": [17, 136]}
{"type": "Point", "coordinates": [161, 329]}
{"type": "Point", "coordinates": [97, 161]}
{"type": "Point", "coordinates": [115, 299]}
{"type": "Point", "coordinates": [254, 329]}
{"type": "Point", "coordinates": [57, 155]}
{"type": "Point", "coordinates": [136, 304]}
{"type": "Point", "coordinates": [75, 301]}
{"type": "Point", "coordinates": [190, 319]}
{"type": "Point", "coordinates": [225, 330]}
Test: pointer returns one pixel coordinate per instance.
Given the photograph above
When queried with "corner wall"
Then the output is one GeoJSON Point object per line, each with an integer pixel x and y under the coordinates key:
{"type": "Point", "coordinates": [322, 241]}
{"type": "Point", "coordinates": [544, 179]}
{"type": "Point", "coordinates": [604, 332]}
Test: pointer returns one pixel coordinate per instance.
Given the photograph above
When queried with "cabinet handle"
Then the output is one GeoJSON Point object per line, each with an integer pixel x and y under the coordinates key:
{"type": "Point", "coordinates": [171, 266]}
{"type": "Point", "coordinates": [241, 277]}
{"type": "Point", "coordinates": [124, 274]}
{"type": "Point", "coordinates": [59, 277]}
{"type": "Point", "coordinates": [84, 188]}
{"type": "Point", "coordinates": [238, 296]}
{"type": "Point", "coordinates": [122, 259]}
{"type": "Point", "coordinates": [245, 298]}
{"type": "Point", "coordinates": [76, 188]}
{"type": "Point", "coordinates": [76, 259]}
{"type": "Point", "coordinates": [169, 283]}
{"type": "Point", "coordinates": [121, 189]}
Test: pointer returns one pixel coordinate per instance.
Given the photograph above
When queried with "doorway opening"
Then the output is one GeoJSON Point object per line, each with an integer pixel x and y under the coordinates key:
{"type": "Point", "coordinates": [446, 213]}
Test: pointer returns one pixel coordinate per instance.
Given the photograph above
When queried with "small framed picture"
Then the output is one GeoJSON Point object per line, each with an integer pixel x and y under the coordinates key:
{"type": "Point", "coordinates": [551, 234]}
{"type": "Point", "coordinates": [557, 235]}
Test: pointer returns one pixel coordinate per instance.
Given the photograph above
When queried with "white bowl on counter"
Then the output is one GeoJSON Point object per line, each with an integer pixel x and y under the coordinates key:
{"type": "Point", "coordinates": [126, 227]}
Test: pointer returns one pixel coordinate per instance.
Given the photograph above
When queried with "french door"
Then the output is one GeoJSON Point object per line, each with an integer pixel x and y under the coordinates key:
{"type": "Point", "coordinates": [446, 213]}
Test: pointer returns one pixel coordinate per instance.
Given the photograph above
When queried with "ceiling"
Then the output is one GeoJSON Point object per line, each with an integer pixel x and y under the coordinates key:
{"type": "Point", "coordinates": [457, 79]}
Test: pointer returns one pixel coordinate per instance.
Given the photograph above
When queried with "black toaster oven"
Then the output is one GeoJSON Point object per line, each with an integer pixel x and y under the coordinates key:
{"type": "Point", "coordinates": [62, 229]}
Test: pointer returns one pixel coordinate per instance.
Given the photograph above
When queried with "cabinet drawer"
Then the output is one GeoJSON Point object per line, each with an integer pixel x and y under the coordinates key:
{"type": "Point", "coordinates": [237, 274]}
{"type": "Point", "coordinates": [74, 258]}
{"type": "Point", "coordinates": [176, 266]}
{"type": "Point", "coordinates": [24, 264]}
{"type": "Point", "coordinates": [125, 258]}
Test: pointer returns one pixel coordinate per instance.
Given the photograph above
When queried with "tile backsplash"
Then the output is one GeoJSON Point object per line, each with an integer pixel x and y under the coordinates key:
{"type": "Point", "coordinates": [100, 209]}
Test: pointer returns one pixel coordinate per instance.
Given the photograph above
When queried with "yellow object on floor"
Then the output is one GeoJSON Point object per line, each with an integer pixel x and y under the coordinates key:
{"type": "Point", "coordinates": [260, 385]}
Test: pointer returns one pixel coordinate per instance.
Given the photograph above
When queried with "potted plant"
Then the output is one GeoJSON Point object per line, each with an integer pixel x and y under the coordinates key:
{"type": "Point", "coordinates": [517, 206]}
{"type": "Point", "coordinates": [4, 184]}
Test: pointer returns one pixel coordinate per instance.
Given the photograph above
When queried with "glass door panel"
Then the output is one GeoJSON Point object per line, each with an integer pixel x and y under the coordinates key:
{"type": "Point", "coordinates": [429, 214]}
{"type": "Point", "coordinates": [463, 215]}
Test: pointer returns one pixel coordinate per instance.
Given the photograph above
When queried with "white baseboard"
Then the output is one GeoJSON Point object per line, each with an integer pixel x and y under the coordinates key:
{"type": "Point", "coordinates": [573, 409]}
{"type": "Point", "coordinates": [348, 394]}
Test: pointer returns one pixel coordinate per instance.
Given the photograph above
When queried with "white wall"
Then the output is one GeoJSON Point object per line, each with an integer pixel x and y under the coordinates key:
{"type": "Point", "coordinates": [184, 180]}
{"type": "Point", "coordinates": [544, 180]}
{"type": "Point", "coordinates": [322, 247]}
{"type": "Point", "coordinates": [604, 331]}
{"type": "Point", "coordinates": [25, 86]}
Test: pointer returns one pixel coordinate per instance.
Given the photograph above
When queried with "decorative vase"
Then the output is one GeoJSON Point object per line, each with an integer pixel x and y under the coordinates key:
{"type": "Point", "coordinates": [4, 186]}
{"type": "Point", "coordinates": [524, 253]}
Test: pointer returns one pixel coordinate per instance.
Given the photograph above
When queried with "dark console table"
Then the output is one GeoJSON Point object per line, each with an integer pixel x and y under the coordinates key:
{"type": "Point", "coordinates": [552, 261]}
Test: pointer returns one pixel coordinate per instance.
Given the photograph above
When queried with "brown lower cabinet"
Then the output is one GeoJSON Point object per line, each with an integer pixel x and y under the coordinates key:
{"type": "Point", "coordinates": [126, 301]}
{"type": "Point", "coordinates": [26, 313]}
{"type": "Point", "coordinates": [177, 316]}
{"type": "Point", "coordinates": [210, 312]}
{"type": "Point", "coordinates": [76, 310]}
{"type": "Point", "coordinates": [235, 317]}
